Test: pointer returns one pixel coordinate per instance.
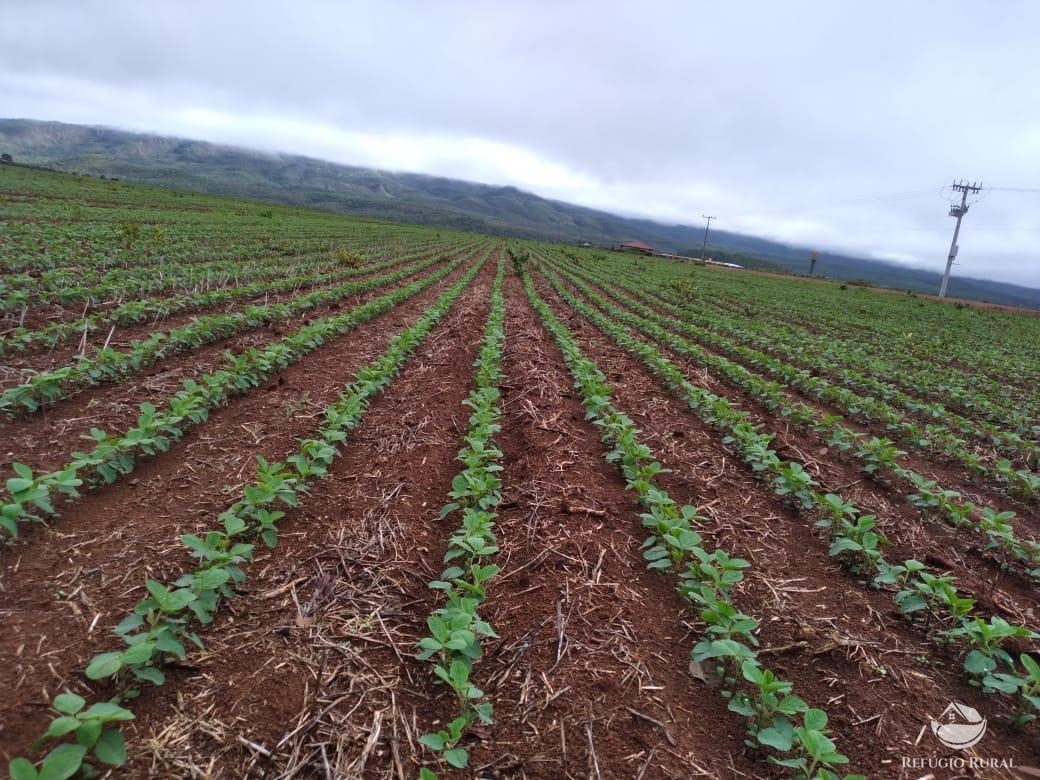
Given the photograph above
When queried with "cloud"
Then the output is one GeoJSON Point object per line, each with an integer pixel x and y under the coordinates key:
{"type": "Point", "coordinates": [768, 115]}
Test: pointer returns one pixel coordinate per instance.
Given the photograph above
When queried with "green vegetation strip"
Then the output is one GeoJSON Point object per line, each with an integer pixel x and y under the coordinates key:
{"type": "Point", "coordinates": [778, 722]}
{"type": "Point", "coordinates": [155, 631]}
{"type": "Point", "coordinates": [120, 276]}
{"type": "Point", "coordinates": [986, 425]}
{"type": "Point", "coordinates": [150, 264]}
{"type": "Point", "coordinates": [30, 497]}
{"type": "Point", "coordinates": [926, 600]}
{"type": "Point", "coordinates": [933, 436]}
{"type": "Point", "coordinates": [267, 277]}
{"type": "Point", "coordinates": [323, 272]}
{"type": "Point", "coordinates": [456, 629]}
{"type": "Point", "coordinates": [879, 457]}
{"type": "Point", "coordinates": [109, 365]}
{"type": "Point", "coordinates": [986, 353]}
{"type": "Point", "coordinates": [896, 357]}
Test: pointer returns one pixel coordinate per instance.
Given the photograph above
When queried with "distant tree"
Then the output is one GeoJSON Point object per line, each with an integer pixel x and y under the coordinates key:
{"type": "Point", "coordinates": [5, 157]}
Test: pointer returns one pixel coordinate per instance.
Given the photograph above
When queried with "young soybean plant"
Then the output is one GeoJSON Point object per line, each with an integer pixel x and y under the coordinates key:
{"type": "Point", "coordinates": [114, 456]}
{"type": "Point", "coordinates": [705, 580]}
{"type": "Point", "coordinates": [854, 539]}
{"type": "Point", "coordinates": [153, 632]}
{"type": "Point", "coordinates": [456, 629]}
{"type": "Point", "coordinates": [88, 727]}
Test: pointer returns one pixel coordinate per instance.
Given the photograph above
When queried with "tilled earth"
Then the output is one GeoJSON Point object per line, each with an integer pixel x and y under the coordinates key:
{"type": "Point", "coordinates": [311, 672]}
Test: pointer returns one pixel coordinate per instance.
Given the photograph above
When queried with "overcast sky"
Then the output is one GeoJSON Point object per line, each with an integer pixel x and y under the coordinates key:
{"type": "Point", "coordinates": [827, 123]}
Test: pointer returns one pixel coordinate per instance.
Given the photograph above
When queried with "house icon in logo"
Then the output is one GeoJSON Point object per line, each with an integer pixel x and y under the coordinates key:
{"type": "Point", "coordinates": [959, 727]}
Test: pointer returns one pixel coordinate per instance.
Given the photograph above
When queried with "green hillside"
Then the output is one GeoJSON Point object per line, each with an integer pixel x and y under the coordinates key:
{"type": "Point", "coordinates": [428, 200]}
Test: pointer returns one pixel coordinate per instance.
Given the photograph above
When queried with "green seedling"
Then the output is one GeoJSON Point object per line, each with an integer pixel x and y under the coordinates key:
{"type": "Point", "coordinates": [87, 726]}
{"type": "Point", "coordinates": [857, 544]}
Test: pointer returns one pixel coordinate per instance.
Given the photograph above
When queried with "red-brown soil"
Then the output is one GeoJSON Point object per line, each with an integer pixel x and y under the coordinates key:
{"type": "Point", "coordinates": [15, 364]}
{"type": "Point", "coordinates": [311, 672]}
{"type": "Point", "coordinates": [67, 585]}
{"type": "Point", "coordinates": [844, 647]}
{"type": "Point", "coordinates": [45, 440]}
{"type": "Point", "coordinates": [591, 643]}
{"type": "Point", "coordinates": [947, 474]}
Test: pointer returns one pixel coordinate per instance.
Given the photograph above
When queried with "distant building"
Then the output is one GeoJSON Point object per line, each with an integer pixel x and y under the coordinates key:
{"type": "Point", "coordinates": [696, 260]}
{"type": "Point", "coordinates": [636, 246]}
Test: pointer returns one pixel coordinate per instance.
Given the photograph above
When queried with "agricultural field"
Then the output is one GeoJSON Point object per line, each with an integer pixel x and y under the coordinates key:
{"type": "Point", "coordinates": [287, 494]}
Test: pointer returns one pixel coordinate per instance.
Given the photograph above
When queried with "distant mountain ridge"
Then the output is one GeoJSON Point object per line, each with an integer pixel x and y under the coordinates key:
{"type": "Point", "coordinates": [422, 199]}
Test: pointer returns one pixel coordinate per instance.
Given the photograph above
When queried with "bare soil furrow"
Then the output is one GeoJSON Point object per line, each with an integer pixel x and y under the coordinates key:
{"type": "Point", "coordinates": [113, 407]}
{"type": "Point", "coordinates": [336, 682]}
{"type": "Point", "coordinates": [929, 464]}
{"type": "Point", "coordinates": [843, 646]}
{"type": "Point", "coordinates": [69, 590]}
{"type": "Point", "coordinates": [591, 672]}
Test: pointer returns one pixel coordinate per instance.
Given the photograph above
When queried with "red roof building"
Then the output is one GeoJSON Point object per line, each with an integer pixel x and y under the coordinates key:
{"type": "Point", "coordinates": [637, 246]}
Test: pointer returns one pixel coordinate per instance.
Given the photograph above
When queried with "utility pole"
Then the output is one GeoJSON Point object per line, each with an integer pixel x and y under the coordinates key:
{"type": "Point", "coordinates": [957, 211]}
{"type": "Point", "coordinates": [704, 246]}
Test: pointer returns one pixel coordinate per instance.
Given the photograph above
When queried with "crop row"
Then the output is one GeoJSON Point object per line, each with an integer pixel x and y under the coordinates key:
{"type": "Point", "coordinates": [904, 333]}
{"type": "Point", "coordinates": [456, 629]}
{"type": "Point", "coordinates": [878, 457]}
{"type": "Point", "coordinates": [927, 600]}
{"type": "Point", "coordinates": [891, 345]}
{"type": "Point", "coordinates": [42, 239]}
{"type": "Point", "coordinates": [154, 633]}
{"type": "Point", "coordinates": [778, 721]}
{"type": "Point", "coordinates": [1002, 474]}
{"type": "Point", "coordinates": [73, 284]}
{"type": "Point", "coordinates": [985, 387]}
{"type": "Point", "coordinates": [52, 248]}
{"type": "Point", "coordinates": [108, 364]}
{"type": "Point", "coordinates": [31, 497]}
{"type": "Point", "coordinates": [1000, 419]}
{"type": "Point", "coordinates": [276, 279]}
{"type": "Point", "coordinates": [1000, 422]}
{"type": "Point", "coordinates": [19, 338]}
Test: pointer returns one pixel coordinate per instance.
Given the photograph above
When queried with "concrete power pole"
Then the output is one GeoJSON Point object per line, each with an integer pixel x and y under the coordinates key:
{"type": "Point", "coordinates": [704, 246]}
{"type": "Point", "coordinates": [957, 211]}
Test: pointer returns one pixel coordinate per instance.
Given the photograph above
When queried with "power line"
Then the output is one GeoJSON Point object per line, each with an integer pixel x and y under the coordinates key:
{"type": "Point", "coordinates": [975, 230]}
{"type": "Point", "coordinates": [945, 192]}
{"type": "Point", "coordinates": [906, 195]}
{"type": "Point", "coordinates": [1015, 189]}
{"type": "Point", "coordinates": [812, 208]}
